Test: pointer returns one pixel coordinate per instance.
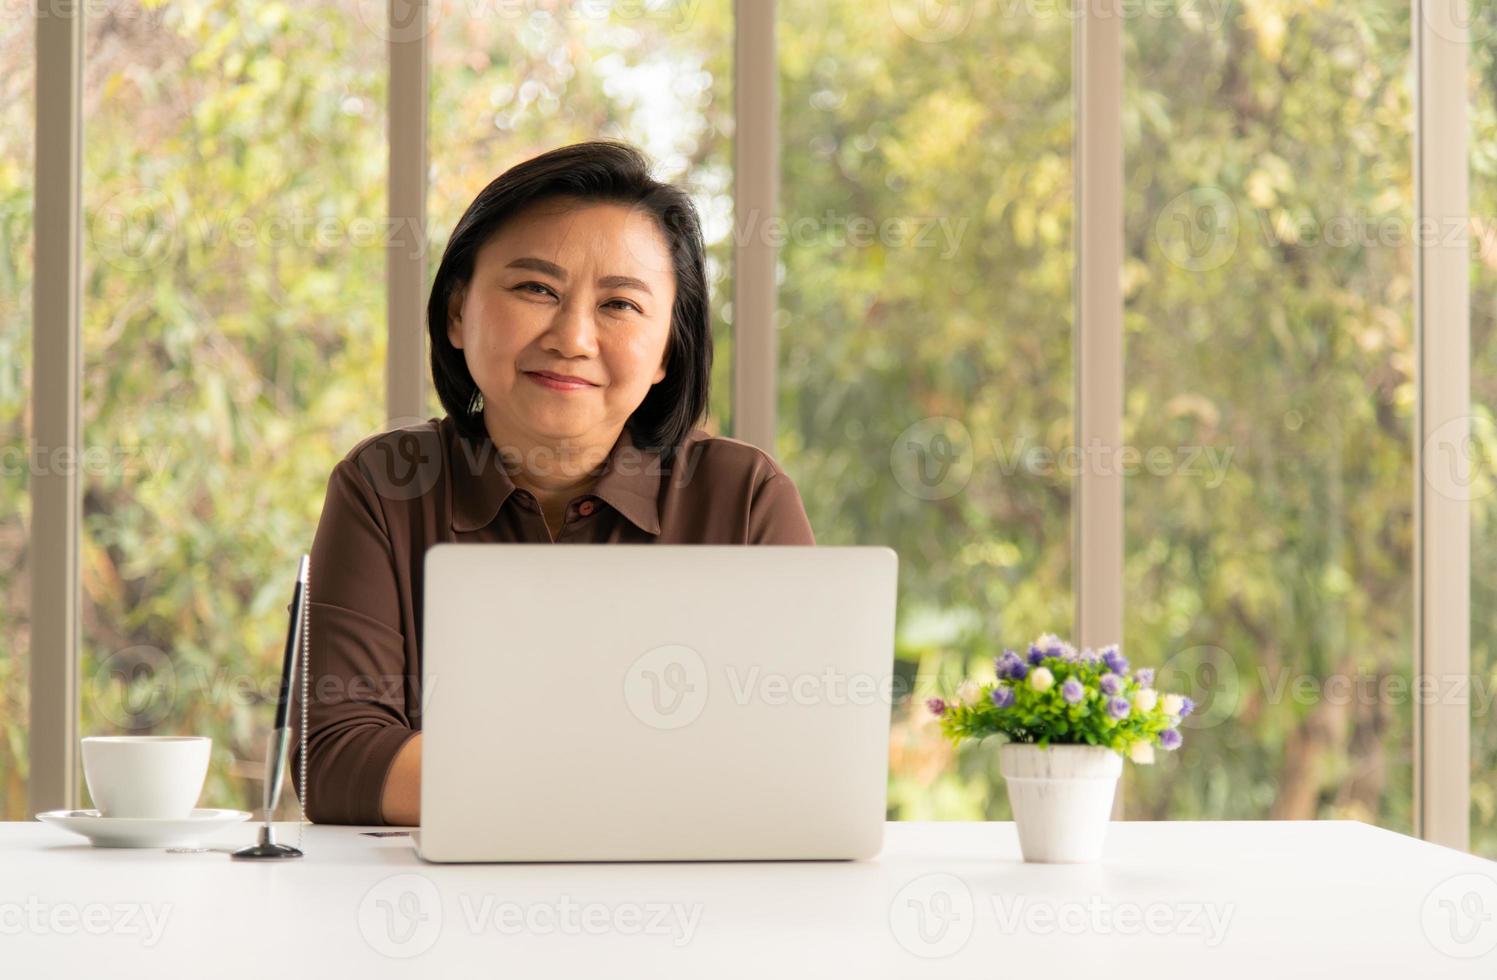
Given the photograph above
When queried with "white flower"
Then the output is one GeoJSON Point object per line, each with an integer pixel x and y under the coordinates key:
{"type": "Point", "coordinates": [967, 692]}
{"type": "Point", "coordinates": [1141, 753]}
{"type": "Point", "coordinates": [1172, 705]}
{"type": "Point", "coordinates": [1145, 698]}
{"type": "Point", "coordinates": [1046, 642]}
{"type": "Point", "coordinates": [1041, 679]}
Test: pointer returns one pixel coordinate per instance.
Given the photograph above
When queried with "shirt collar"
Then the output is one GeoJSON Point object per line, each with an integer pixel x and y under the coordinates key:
{"type": "Point", "coordinates": [628, 481]}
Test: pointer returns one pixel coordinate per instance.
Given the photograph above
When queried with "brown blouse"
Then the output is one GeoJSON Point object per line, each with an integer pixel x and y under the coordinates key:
{"type": "Point", "coordinates": [400, 492]}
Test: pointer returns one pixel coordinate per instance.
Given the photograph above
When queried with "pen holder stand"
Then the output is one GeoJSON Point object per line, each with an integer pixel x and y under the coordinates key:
{"type": "Point", "coordinates": [267, 847]}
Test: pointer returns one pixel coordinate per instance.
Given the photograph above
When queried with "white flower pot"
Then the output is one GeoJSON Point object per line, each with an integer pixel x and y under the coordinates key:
{"type": "Point", "coordinates": [1061, 796]}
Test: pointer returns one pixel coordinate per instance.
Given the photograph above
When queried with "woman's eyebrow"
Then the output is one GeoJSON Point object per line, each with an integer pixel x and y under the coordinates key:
{"type": "Point", "coordinates": [552, 269]}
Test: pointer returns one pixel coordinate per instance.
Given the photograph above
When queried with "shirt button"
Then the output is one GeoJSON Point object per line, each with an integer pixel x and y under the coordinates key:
{"type": "Point", "coordinates": [585, 508]}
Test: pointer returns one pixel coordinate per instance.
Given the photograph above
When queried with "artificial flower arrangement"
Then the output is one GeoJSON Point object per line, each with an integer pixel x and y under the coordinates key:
{"type": "Point", "coordinates": [1056, 695]}
{"type": "Point", "coordinates": [1069, 718]}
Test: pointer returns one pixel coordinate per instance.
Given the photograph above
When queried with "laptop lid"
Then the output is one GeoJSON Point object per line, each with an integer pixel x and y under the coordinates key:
{"type": "Point", "coordinates": [655, 702]}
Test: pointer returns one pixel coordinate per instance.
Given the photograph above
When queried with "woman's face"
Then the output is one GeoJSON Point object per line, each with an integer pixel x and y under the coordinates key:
{"type": "Point", "coordinates": [565, 322]}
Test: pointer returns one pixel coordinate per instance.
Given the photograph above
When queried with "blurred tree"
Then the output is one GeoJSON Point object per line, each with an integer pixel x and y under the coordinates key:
{"type": "Point", "coordinates": [1269, 317]}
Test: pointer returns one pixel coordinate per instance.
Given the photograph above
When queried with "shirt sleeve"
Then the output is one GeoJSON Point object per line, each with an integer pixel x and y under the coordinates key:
{"type": "Point", "coordinates": [356, 712]}
{"type": "Point", "coordinates": [777, 516]}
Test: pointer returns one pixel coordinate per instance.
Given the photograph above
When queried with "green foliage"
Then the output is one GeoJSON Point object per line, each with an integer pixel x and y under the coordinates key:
{"type": "Point", "coordinates": [1291, 349]}
{"type": "Point", "coordinates": [1029, 703]}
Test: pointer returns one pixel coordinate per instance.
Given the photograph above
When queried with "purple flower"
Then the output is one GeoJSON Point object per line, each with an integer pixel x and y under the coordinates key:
{"type": "Point", "coordinates": [1118, 708]}
{"type": "Point", "coordinates": [1002, 696]}
{"type": "Point", "coordinates": [1144, 676]}
{"type": "Point", "coordinates": [1111, 684]}
{"type": "Point", "coordinates": [1186, 707]}
{"type": "Point", "coordinates": [1170, 739]}
{"type": "Point", "coordinates": [1072, 691]}
{"type": "Point", "coordinates": [1115, 661]}
{"type": "Point", "coordinates": [1010, 666]}
{"type": "Point", "coordinates": [936, 706]}
{"type": "Point", "coordinates": [1036, 656]}
{"type": "Point", "coordinates": [1089, 656]}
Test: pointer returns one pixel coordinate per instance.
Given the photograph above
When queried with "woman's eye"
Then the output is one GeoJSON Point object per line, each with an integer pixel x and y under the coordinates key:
{"type": "Point", "coordinates": [541, 289]}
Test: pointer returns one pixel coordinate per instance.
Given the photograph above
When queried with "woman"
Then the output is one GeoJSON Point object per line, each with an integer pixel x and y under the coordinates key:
{"type": "Point", "coordinates": [571, 348]}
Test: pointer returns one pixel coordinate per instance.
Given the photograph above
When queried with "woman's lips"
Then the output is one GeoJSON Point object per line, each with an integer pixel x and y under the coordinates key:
{"type": "Point", "coordinates": [558, 382]}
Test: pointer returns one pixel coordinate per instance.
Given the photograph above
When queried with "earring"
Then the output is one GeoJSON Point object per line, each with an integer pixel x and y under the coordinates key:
{"type": "Point", "coordinates": [475, 404]}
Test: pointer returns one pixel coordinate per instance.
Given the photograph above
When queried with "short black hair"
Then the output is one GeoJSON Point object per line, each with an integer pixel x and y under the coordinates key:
{"type": "Point", "coordinates": [603, 171]}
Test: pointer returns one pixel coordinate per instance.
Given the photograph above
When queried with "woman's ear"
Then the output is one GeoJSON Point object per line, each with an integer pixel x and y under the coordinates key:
{"type": "Point", "coordinates": [455, 315]}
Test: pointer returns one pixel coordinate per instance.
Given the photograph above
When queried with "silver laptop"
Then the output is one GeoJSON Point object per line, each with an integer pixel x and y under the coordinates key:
{"type": "Point", "coordinates": [655, 702]}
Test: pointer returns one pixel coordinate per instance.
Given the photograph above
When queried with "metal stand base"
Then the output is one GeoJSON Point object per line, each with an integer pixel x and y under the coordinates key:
{"type": "Point", "coordinates": [267, 847]}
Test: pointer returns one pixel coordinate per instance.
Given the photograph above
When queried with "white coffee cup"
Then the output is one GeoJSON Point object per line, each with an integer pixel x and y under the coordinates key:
{"type": "Point", "coordinates": [146, 776]}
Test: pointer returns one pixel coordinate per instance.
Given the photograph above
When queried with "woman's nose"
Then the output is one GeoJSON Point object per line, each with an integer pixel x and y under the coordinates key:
{"type": "Point", "coordinates": [573, 331]}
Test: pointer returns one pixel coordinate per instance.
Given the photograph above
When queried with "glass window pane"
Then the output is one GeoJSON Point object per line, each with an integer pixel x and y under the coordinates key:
{"type": "Point", "coordinates": [17, 153]}
{"type": "Point", "coordinates": [1482, 134]}
{"type": "Point", "coordinates": [234, 337]}
{"type": "Point", "coordinates": [1270, 391]}
{"type": "Point", "coordinates": [925, 335]}
{"type": "Point", "coordinates": [509, 84]}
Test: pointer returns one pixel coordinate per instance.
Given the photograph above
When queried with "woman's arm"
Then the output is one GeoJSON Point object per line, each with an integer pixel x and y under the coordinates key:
{"type": "Point", "coordinates": [401, 802]}
{"type": "Point", "coordinates": [357, 717]}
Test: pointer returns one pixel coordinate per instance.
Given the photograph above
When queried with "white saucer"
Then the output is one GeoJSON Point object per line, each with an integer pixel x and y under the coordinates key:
{"type": "Point", "coordinates": [142, 831]}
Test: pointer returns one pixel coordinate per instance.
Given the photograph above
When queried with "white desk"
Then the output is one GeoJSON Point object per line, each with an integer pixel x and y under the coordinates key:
{"type": "Point", "coordinates": [1259, 900]}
